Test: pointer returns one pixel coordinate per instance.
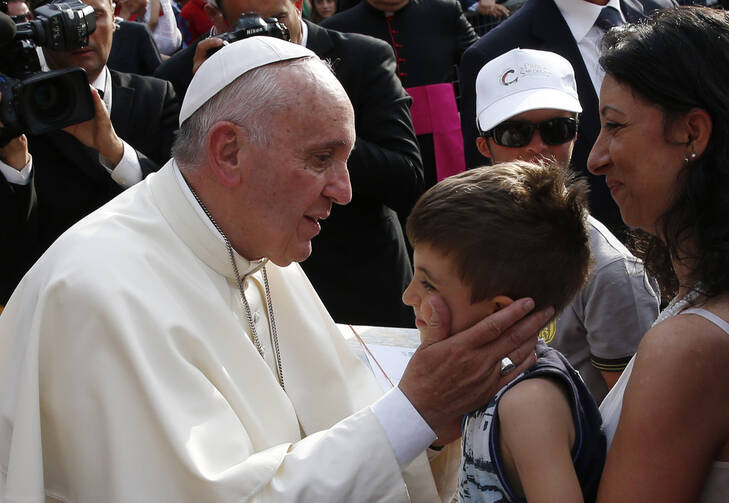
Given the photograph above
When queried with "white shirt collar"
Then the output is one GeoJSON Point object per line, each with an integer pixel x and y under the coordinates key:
{"type": "Point", "coordinates": [103, 84]}
{"type": "Point", "coordinates": [580, 15]}
{"type": "Point", "coordinates": [304, 33]}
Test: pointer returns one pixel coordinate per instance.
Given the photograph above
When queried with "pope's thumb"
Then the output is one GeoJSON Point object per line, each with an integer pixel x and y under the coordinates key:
{"type": "Point", "coordinates": [438, 318]}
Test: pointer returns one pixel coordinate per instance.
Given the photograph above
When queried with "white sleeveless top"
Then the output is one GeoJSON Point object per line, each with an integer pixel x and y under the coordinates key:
{"type": "Point", "coordinates": [716, 489]}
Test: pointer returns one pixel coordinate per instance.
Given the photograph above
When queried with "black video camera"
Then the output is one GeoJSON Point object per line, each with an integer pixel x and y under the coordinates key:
{"type": "Point", "coordinates": [251, 25]}
{"type": "Point", "coordinates": [34, 101]}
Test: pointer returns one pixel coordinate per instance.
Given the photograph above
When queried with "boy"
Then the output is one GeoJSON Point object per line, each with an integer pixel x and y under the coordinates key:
{"type": "Point", "coordinates": [481, 239]}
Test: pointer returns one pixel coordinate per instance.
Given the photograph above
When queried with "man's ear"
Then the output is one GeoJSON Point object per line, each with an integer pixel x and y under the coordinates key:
{"type": "Point", "coordinates": [483, 146]}
{"type": "Point", "coordinates": [214, 15]}
{"type": "Point", "coordinates": [223, 147]}
{"type": "Point", "coordinates": [501, 301]}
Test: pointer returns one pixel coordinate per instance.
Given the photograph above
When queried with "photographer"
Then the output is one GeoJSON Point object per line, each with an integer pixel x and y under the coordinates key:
{"type": "Point", "coordinates": [51, 181]}
{"type": "Point", "coordinates": [360, 265]}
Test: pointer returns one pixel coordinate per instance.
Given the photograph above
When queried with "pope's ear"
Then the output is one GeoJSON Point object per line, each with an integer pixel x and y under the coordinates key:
{"type": "Point", "coordinates": [501, 301]}
{"type": "Point", "coordinates": [223, 146]}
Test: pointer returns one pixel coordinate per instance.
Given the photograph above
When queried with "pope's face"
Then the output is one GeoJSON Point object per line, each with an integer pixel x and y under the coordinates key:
{"type": "Point", "coordinates": [91, 58]}
{"type": "Point", "coordinates": [291, 183]}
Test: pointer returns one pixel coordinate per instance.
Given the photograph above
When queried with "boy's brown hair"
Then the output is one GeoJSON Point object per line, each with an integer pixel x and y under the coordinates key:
{"type": "Point", "coordinates": [516, 228]}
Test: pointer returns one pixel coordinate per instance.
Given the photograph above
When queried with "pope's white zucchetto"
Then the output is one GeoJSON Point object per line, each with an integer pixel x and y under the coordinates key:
{"type": "Point", "coordinates": [232, 61]}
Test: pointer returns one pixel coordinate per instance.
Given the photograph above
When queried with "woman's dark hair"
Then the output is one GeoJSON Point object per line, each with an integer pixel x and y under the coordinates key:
{"type": "Point", "coordinates": [678, 59]}
{"type": "Point", "coordinates": [315, 17]}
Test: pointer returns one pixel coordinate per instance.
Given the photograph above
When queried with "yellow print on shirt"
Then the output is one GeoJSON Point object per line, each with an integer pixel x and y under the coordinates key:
{"type": "Point", "coordinates": [547, 333]}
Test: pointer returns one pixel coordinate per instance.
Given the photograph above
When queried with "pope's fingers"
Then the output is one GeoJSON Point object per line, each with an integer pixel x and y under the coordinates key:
{"type": "Point", "coordinates": [523, 358]}
{"type": "Point", "coordinates": [519, 340]}
{"type": "Point", "coordinates": [494, 325]}
{"type": "Point", "coordinates": [437, 317]}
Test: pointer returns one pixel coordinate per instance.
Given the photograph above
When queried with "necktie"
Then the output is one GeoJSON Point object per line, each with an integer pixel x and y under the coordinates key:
{"type": "Point", "coordinates": [608, 18]}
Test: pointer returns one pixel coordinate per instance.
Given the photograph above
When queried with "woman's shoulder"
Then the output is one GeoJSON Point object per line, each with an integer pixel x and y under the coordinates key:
{"type": "Point", "coordinates": [687, 349]}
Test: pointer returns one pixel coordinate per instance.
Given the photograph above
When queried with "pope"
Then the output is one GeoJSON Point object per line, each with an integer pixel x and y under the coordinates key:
{"type": "Point", "coordinates": [169, 347]}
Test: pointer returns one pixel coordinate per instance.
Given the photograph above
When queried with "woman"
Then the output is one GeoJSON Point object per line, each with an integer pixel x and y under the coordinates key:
{"type": "Point", "coordinates": [322, 9]}
{"type": "Point", "coordinates": [664, 151]}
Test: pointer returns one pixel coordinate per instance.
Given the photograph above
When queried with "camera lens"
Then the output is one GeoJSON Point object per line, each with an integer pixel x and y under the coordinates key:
{"type": "Point", "coordinates": [52, 100]}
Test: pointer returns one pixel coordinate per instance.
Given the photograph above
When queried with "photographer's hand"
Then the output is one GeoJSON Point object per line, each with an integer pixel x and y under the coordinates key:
{"type": "Point", "coordinates": [448, 377]}
{"type": "Point", "coordinates": [201, 51]}
{"type": "Point", "coordinates": [98, 132]}
{"type": "Point", "coordinates": [15, 153]}
{"type": "Point", "coordinates": [493, 9]}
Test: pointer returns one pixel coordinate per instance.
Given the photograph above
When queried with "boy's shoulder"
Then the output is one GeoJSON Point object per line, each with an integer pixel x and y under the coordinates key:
{"type": "Point", "coordinates": [546, 408]}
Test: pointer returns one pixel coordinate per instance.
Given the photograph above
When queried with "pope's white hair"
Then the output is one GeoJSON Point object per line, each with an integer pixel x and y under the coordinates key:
{"type": "Point", "coordinates": [250, 101]}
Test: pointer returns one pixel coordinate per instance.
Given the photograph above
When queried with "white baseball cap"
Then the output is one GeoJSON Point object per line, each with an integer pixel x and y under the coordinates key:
{"type": "Point", "coordinates": [232, 61]}
{"type": "Point", "coordinates": [522, 80]}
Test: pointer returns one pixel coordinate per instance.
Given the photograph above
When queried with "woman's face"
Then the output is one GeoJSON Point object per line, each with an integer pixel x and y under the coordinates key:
{"type": "Point", "coordinates": [638, 155]}
{"type": "Point", "coordinates": [325, 8]}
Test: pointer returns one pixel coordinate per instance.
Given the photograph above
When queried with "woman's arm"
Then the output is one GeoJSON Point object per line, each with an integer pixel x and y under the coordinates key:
{"type": "Point", "coordinates": [674, 417]}
{"type": "Point", "coordinates": [537, 433]}
{"type": "Point", "coordinates": [153, 7]}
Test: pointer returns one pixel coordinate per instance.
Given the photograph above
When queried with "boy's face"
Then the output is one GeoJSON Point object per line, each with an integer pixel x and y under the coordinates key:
{"type": "Point", "coordinates": [536, 149]}
{"type": "Point", "coordinates": [434, 273]}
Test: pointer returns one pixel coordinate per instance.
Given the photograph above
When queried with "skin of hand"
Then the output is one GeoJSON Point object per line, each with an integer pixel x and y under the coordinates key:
{"type": "Point", "coordinates": [15, 153]}
{"type": "Point", "coordinates": [98, 132]}
{"type": "Point", "coordinates": [491, 8]}
{"type": "Point", "coordinates": [449, 376]}
{"type": "Point", "coordinates": [201, 51]}
{"type": "Point", "coordinates": [153, 14]}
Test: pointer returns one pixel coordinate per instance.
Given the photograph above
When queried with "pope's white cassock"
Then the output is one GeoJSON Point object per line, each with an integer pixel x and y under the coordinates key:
{"type": "Point", "coordinates": [127, 374]}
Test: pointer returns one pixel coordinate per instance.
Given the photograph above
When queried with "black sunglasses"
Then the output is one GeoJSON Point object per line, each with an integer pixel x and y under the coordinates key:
{"type": "Point", "coordinates": [517, 134]}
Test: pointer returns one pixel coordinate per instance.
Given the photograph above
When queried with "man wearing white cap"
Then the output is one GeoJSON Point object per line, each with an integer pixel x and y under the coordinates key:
{"type": "Point", "coordinates": [169, 348]}
{"type": "Point", "coordinates": [573, 29]}
{"type": "Point", "coordinates": [527, 108]}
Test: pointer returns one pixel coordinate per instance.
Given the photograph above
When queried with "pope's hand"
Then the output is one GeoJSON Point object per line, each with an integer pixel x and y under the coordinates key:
{"type": "Point", "coordinates": [98, 132]}
{"type": "Point", "coordinates": [449, 376]}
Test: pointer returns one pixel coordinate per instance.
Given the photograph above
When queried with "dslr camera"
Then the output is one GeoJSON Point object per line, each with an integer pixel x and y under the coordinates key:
{"type": "Point", "coordinates": [251, 24]}
{"type": "Point", "coordinates": [34, 101]}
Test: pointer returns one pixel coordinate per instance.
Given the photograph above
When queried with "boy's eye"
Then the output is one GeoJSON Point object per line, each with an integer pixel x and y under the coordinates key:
{"type": "Point", "coordinates": [427, 286]}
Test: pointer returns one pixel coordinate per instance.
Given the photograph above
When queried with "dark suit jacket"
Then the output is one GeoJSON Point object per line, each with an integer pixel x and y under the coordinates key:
{"type": "Point", "coordinates": [68, 182]}
{"type": "Point", "coordinates": [359, 265]}
{"type": "Point", "coordinates": [539, 25]}
{"type": "Point", "coordinates": [133, 50]}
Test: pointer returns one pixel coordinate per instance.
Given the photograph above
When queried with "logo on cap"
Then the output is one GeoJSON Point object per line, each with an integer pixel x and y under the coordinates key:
{"type": "Point", "coordinates": [506, 75]}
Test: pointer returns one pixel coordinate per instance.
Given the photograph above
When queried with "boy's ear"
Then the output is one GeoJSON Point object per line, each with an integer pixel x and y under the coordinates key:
{"type": "Point", "coordinates": [501, 301]}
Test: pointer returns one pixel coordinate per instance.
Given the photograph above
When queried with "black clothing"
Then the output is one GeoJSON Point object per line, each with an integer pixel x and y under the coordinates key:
{"type": "Point", "coordinates": [68, 182]}
{"type": "Point", "coordinates": [133, 50]}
